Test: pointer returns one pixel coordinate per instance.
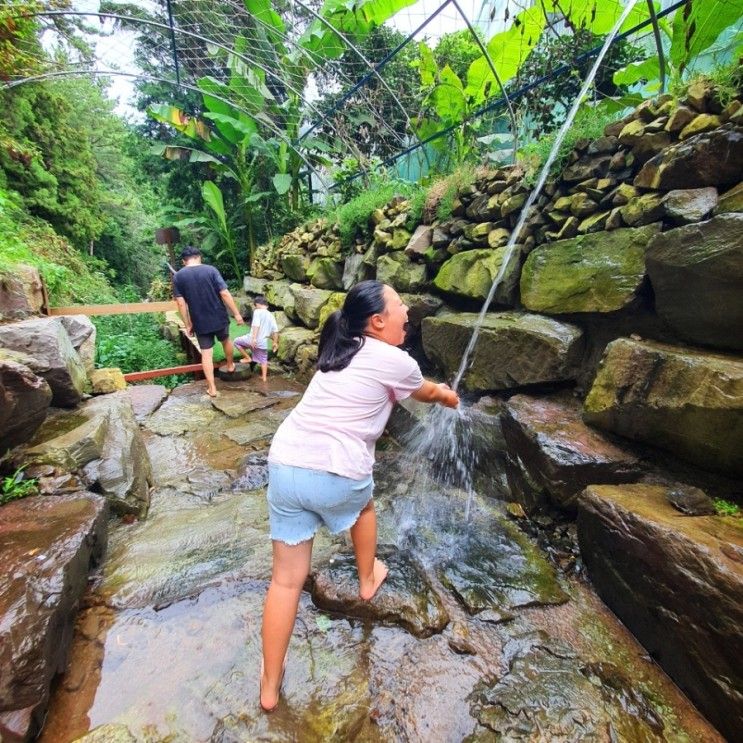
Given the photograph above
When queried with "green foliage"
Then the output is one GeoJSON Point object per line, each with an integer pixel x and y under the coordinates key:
{"type": "Point", "coordinates": [133, 343]}
{"type": "Point", "coordinates": [70, 276]}
{"type": "Point", "coordinates": [47, 157]}
{"type": "Point", "coordinates": [354, 216]}
{"type": "Point", "coordinates": [16, 486]}
{"type": "Point", "coordinates": [697, 31]}
{"type": "Point", "coordinates": [442, 193]}
{"type": "Point", "coordinates": [545, 106]}
{"type": "Point", "coordinates": [726, 508]}
{"type": "Point", "coordinates": [589, 123]}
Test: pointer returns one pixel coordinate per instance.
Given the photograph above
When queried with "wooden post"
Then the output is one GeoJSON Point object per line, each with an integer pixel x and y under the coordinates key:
{"type": "Point", "coordinates": [168, 236]}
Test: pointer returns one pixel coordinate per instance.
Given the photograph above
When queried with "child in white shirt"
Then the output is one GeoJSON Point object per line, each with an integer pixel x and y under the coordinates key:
{"type": "Point", "coordinates": [254, 345]}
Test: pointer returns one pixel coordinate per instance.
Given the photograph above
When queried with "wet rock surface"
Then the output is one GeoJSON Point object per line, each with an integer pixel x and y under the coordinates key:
{"type": "Point", "coordinates": [500, 571]}
{"type": "Point", "coordinates": [100, 442]}
{"type": "Point", "coordinates": [550, 693]}
{"type": "Point", "coordinates": [405, 598]}
{"type": "Point", "coordinates": [47, 545]}
{"type": "Point", "coordinates": [680, 399]}
{"type": "Point", "coordinates": [558, 453]}
{"type": "Point", "coordinates": [188, 584]}
{"type": "Point", "coordinates": [599, 272]}
{"type": "Point", "coordinates": [697, 275]}
{"type": "Point", "coordinates": [672, 581]}
{"type": "Point", "coordinates": [47, 341]}
{"type": "Point", "coordinates": [514, 349]}
{"type": "Point", "coordinates": [24, 400]}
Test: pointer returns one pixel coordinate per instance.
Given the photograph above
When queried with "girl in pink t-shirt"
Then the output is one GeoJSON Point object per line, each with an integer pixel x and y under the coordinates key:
{"type": "Point", "coordinates": [321, 458]}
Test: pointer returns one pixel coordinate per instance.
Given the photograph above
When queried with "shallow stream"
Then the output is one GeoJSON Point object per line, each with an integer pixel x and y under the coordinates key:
{"type": "Point", "coordinates": [167, 647]}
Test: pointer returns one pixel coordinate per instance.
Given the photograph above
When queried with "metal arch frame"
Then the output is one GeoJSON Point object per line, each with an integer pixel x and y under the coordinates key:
{"type": "Point", "coordinates": [356, 50]}
{"type": "Point", "coordinates": [150, 78]}
{"type": "Point", "coordinates": [486, 54]}
{"type": "Point", "coordinates": [167, 28]}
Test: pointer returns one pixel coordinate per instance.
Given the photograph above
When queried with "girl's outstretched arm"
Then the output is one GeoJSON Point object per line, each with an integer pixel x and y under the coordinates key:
{"type": "Point", "coordinates": [432, 392]}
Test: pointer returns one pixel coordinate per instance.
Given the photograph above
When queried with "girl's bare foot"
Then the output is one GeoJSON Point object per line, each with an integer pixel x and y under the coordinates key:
{"type": "Point", "coordinates": [212, 392]}
{"type": "Point", "coordinates": [244, 361]}
{"type": "Point", "coordinates": [368, 588]}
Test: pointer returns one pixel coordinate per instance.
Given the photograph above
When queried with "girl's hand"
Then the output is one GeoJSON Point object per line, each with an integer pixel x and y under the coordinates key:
{"type": "Point", "coordinates": [449, 398]}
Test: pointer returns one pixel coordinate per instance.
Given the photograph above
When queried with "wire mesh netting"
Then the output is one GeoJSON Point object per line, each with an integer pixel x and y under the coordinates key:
{"type": "Point", "coordinates": [404, 92]}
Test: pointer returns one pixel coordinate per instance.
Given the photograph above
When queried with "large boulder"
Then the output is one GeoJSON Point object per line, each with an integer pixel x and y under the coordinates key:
{"type": "Point", "coordinates": [47, 341]}
{"type": "Point", "coordinates": [24, 400]}
{"type": "Point", "coordinates": [101, 441]}
{"type": "Point", "coordinates": [325, 273]}
{"type": "Point", "coordinates": [47, 547]}
{"type": "Point", "coordinates": [295, 266]}
{"type": "Point", "coordinates": [397, 270]}
{"type": "Point", "coordinates": [559, 452]}
{"type": "Point", "coordinates": [308, 302]}
{"type": "Point", "coordinates": [471, 274]}
{"type": "Point", "coordinates": [710, 159]}
{"type": "Point", "coordinates": [677, 583]}
{"type": "Point", "coordinates": [279, 294]}
{"type": "Point", "coordinates": [21, 293]}
{"type": "Point", "coordinates": [514, 349]}
{"type": "Point", "coordinates": [697, 275]}
{"type": "Point", "coordinates": [82, 334]}
{"type": "Point", "coordinates": [598, 272]}
{"type": "Point", "coordinates": [683, 400]}
{"type": "Point", "coordinates": [290, 341]}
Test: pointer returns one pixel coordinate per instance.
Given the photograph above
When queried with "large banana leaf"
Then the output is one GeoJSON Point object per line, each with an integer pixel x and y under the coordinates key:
{"type": "Point", "coordinates": [187, 154]}
{"type": "Point", "coordinates": [698, 24]}
{"type": "Point", "coordinates": [182, 122]}
{"type": "Point", "coordinates": [354, 18]}
{"type": "Point", "coordinates": [508, 50]}
{"type": "Point", "coordinates": [213, 198]}
{"type": "Point", "coordinates": [598, 16]}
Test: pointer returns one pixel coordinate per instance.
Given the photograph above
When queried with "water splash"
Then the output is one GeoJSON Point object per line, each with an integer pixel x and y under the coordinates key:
{"type": "Point", "coordinates": [441, 443]}
{"type": "Point", "coordinates": [534, 195]}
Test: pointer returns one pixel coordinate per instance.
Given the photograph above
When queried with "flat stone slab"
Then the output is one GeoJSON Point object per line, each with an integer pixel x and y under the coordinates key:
{"type": "Point", "coordinates": [677, 582]}
{"type": "Point", "coordinates": [680, 399]}
{"type": "Point", "coordinates": [549, 693]}
{"type": "Point", "coordinates": [146, 399]}
{"type": "Point", "coordinates": [560, 454]}
{"type": "Point", "coordinates": [405, 598]}
{"type": "Point", "coordinates": [238, 403]}
{"type": "Point", "coordinates": [500, 571]}
{"type": "Point", "coordinates": [47, 545]}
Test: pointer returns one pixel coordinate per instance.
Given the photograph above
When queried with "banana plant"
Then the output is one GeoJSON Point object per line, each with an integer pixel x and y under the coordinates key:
{"type": "Point", "coordinates": [696, 29]}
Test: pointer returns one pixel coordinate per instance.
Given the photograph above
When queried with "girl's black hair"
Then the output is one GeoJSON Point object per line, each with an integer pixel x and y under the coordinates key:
{"type": "Point", "coordinates": [343, 333]}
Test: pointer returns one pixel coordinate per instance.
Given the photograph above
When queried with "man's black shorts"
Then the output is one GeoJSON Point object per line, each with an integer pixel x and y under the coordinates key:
{"type": "Point", "coordinates": [207, 340]}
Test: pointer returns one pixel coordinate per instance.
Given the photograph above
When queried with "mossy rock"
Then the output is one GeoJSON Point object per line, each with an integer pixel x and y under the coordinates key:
{"type": "Point", "coordinates": [325, 273]}
{"type": "Point", "coordinates": [397, 270]}
{"type": "Point", "coordinates": [471, 274]}
{"type": "Point", "coordinates": [335, 302]}
{"type": "Point", "coordinates": [295, 266]}
{"type": "Point", "coordinates": [597, 272]}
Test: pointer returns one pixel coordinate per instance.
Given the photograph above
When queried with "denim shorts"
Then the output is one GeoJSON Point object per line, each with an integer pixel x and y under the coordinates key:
{"type": "Point", "coordinates": [300, 499]}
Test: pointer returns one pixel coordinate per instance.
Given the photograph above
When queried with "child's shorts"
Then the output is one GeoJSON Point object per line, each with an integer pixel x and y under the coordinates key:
{"type": "Point", "coordinates": [259, 355]}
{"type": "Point", "coordinates": [300, 499]}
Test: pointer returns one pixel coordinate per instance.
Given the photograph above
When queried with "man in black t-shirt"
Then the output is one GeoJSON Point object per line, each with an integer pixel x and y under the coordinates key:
{"type": "Point", "coordinates": [203, 299]}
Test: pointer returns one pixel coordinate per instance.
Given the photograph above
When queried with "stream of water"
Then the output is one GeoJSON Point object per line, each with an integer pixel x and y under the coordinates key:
{"type": "Point", "coordinates": [442, 439]}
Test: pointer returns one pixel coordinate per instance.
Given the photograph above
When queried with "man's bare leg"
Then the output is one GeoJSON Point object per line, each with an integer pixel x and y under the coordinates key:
{"type": "Point", "coordinates": [207, 364]}
{"type": "Point", "coordinates": [229, 353]}
{"type": "Point", "coordinates": [264, 371]}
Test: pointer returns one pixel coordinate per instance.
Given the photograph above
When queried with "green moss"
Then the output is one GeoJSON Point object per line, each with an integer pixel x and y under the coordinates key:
{"type": "Point", "coordinates": [354, 217]}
